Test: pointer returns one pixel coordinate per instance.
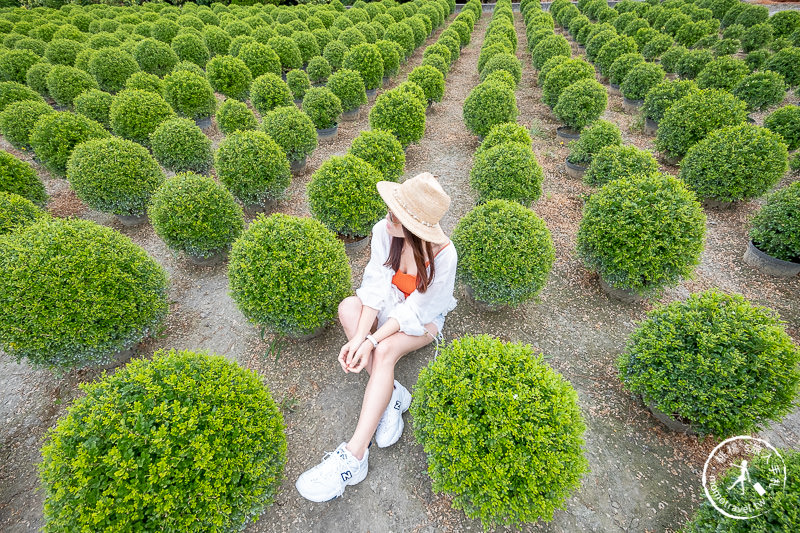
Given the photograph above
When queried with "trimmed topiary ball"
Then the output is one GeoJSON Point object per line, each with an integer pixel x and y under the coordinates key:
{"type": "Point", "coordinates": [735, 163]}
{"type": "Point", "coordinates": [505, 252]}
{"type": "Point", "coordinates": [581, 103]}
{"type": "Point", "coordinates": [227, 422]}
{"type": "Point", "coordinates": [196, 215]}
{"type": "Point", "coordinates": [365, 59]}
{"type": "Point", "coordinates": [55, 135]}
{"type": "Point", "coordinates": [298, 83]}
{"type": "Point", "coordinates": [430, 80]}
{"type": "Point", "coordinates": [94, 104]}
{"type": "Point", "coordinates": [722, 73]}
{"type": "Point", "coordinates": [489, 104]}
{"type": "Point", "coordinates": [93, 290]}
{"type": "Point", "coordinates": [622, 65]}
{"type": "Point", "coordinates": [307, 45]}
{"type": "Point", "coordinates": [555, 45]}
{"type": "Point", "coordinates": [253, 167]}
{"type": "Point", "coordinates": [136, 114]}
{"type": "Point", "coordinates": [390, 53]}
{"type": "Point", "coordinates": [114, 175]}
{"type": "Point", "coordinates": [269, 91]}
{"type": "Point", "coordinates": [14, 64]}
{"type": "Point", "coordinates": [323, 107]}
{"type": "Point", "coordinates": [63, 51]}
{"type": "Point", "coordinates": [693, 62]}
{"type": "Point", "coordinates": [785, 62]}
{"type": "Point", "coordinates": [400, 114]}
{"type": "Point", "coordinates": [505, 62]}
{"type": "Point", "coordinates": [614, 162]}
{"type": "Point", "coordinates": [786, 123]}
{"type": "Point", "coordinates": [715, 361]}
{"type": "Point", "coordinates": [17, 121]}
{"type": "Point", "coordinates": [761, 90]}
{"type": "Point", "coordinates": [17, 212]}
{"type": "Point", "coordinates": [334, 53]}
{"type": "Point", "coordinates": [594, 138]}
{"type": "Point", "coordinates": [290, 297]}
{"type": "Point", "coordinates": [235, 116]}
{"type": "Point", "coordinates": [496, 392]}
{"type": "Point", "coordinates": [260, 59]}
{"type": "Point", "coordinates": [36, 77]}
{"type": "Point", "coordinates": [191, 47]}
{"type": "Point", "coordinates": [612, 50]}
{"type": "Point", "coordinates": [349, 87]}
{"type": "Point", "coordinates": [663, 95]}
{"type": "Point", "coordinates": [180, 145]}
{"type": "Point", "coordinates": [65, 83]}
{"type": "Point", "coordinates": [229, 76]}
{"type": "Point", "coordinates": [19, 177]}
{"type": "Point", "coordinates": [342, 195]}
{"type": "Point", "coordinates": [505, 132]}
{"type": "Point", "coordinates": [562, 76]}
{"type": "Point", "coordinates": [508, 171]}
{"type": "Point", "coordinates": [640, 80]}
{"type": "Point", "coordinates": [292, 129]}
{"type": "Point", "coordinates": [382, 150]}
{"type": "Point", "coordinates": [775, 228]}
{"type": "Point", "coordinates": [642, 233]}
{"type": "Point", "coordinates": [189, 94]}
{"type": "Point", "coordinates": [318, 70]}
{"type": "Point", "coordinates": [288, 52]}
{"type": "Point", "coordinates": [111, 67]}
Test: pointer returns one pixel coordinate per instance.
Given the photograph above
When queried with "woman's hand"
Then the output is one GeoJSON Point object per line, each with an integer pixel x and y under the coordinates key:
{"type": "Point", "coordinates": [347, 350]}
{"type": "Point", "coordinates": [359, 358]}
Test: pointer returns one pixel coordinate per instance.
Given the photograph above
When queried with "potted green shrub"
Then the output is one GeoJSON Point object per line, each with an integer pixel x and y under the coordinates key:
{"type": "Point", "coordinates": [253, 167]}
{"type": "Point", "coordinates": [508, 171]}
{"type": "Point", "coordinates": [674, 361]}
{"type": "Point", "coordinates": [784, 62]}
{"type": "Point", "coordinates": [612, 50]}
{"type": "Point", "coordinates": [774, 246]}
{"type": "Point", "coordinates": [17, 121]}
{"type": "Point", "coordinates": [785, 121]}
{"type": "Point", "coordinates": [324, 109]}
{"type": "Point", "coordinates": [620, 68]}
{"type": "Point", "coordinates": [400, 114]}
{"type": "Point", "coordinates": [489, 104]}
{"type": "Point", "coordinates": [84, 308]}
{"type": "Point", "coordinates": [657, 47]}
{"type": "Point", "coordinates": [760, 90]}
{"type": "Point", "coordinates": [342, 195]}
{"type": "Point", "coordinates": [297, 297]}
{"type": "Point", "coordinates": [111, 67]}
{"type": "Point", "coordinates": [191, 47]}
{"type": "Point", "coordinates": [562, 76]}
{"type": "Point", "coordinates": [17, 212]}
{"type": "Point", "coordinates": [638, 83]}
{"type": "Point", "coordinates": [693, 62]}
{"type": "Point", "coordinates": [11, 91]}
{"type": "Point", "coordinates": [722, 73]}
{"type": "Point", "coordinates": [115, 176]}
{"type": "Point", "coordinates": [269, 91]}
{"type": "Point", "coordinates": [616, 161]}
{"type": "Point", "coordinates": [594, 138]}
{"type": "Point", "coordinates": [55, 135]}
{"type": "Point", "coordinates": [229, 76]}
{"type": "Point", "coordinates": [36, 77]}
{"type": "Point", "coordinates": [579, 105]}
{"type": "Point", "coordinates": [298, 83]}
{"type": "Point", "coordinates": [19, 177]}
{"type": "Point", "coordinates": [672, 57]}
{"type": "Point", "coordinates": [294, 132]}
{"type": "Point", "coordinates": [502, 388]}
{"type": "Point", "coordinates": [288, 52]}
{"type": "Point", "coordinates": [14, 64]}
{"type": "Point", "coordinates": [155, 57]}
{"type": "Point", "coordinates": [430, 80]}
{"type": "Point", "coordinates": [349, 87]}
{"type": "Point", "coordinates": [318, 70]}
{"type": "Point", "coordinates": [735, 163]}
{"type": "Point", "coordinates": [506, 132]}
{"type": "Point", "coordinates": [95, 105]}
{"type": "Point", "coordinates": [334, 53]}
{"type": "Point", "coordinates": [260, 59]}
{"type": "Point", "coordinates": [366, 59]}
{"type": "Point", "coordinates": [307, 45]}
{"type": "Point", "coordinates": [640, 234]}
{"type": "Point", "coordinates": [555, 45]}
{"type": "Point", "coordinates": [217, 398]}
{"type": "Point", "coordinates": [234, 115]}
{"type": "Point", "coordinates": [382, 150]}
{"type": "Point", "coordinates": [659, 98]}
{"type": "Point", "coordinates": [65, 83]}
{"type": "Point", "coordinates": [505, 253]}
{"type": "Point", "coordinates": [179, 145]}
{"type": "Point", "coordinates": [506, 62]}
{"type": "Point", "coordinates": [135, 114]}
{"type": "Point", "coordinates": [196, 215]}
{"type": "Point", "coordinates": [145, 82]}
{"type": "Point", "coordinates": [62, 51]}
{"type": "Point", "coordinates": [413, 90]}
{"type": "Point", "coordinates": [390, 54]}
{"type": "Point", "coordinates": [191, 96]}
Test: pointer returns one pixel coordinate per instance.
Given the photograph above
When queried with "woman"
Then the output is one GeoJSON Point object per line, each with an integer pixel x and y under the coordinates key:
{"type": "Point", "coordinates": [400, 307]}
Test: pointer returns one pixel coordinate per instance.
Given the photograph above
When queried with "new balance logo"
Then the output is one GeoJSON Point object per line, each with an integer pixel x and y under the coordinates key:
{"type": "Point", "coordinates": [397, 404]}
{"type": "Point", "coordinates": [346, 475]}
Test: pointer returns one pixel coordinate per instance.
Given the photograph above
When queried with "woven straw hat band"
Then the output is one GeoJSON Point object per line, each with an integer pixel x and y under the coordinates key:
{"type": "Point", "coordinates": [423, 198]}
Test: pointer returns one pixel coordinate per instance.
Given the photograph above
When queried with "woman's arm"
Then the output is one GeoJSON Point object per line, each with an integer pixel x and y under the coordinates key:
{"type": "Point", "coordinates": [359, 358]}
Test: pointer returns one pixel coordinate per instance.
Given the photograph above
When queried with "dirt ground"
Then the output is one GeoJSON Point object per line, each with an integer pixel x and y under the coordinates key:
{"type": "Point", "coordinates": [643, 477]}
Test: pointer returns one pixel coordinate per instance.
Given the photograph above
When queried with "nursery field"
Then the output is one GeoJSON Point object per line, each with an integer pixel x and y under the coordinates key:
{"type": "Point", "coordinates": [643, 477]}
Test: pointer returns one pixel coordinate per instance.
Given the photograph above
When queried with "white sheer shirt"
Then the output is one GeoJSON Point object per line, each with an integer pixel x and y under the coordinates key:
{"type": "Point", "coordinates": [378, 292]}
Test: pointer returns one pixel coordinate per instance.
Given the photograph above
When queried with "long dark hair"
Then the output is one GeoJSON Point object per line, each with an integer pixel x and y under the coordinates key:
{"type": "Point", "coordinates": [424, 275]}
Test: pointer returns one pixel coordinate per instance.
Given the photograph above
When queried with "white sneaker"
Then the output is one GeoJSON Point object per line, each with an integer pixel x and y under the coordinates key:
{"type": "Point", "coordinates": [391, 425]}
{"type": "Point", "coordinates": [328, 479]}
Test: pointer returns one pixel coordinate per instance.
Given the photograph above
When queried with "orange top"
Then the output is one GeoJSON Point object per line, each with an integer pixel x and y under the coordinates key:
{"type": "Point", "coordinates": [408, 283]}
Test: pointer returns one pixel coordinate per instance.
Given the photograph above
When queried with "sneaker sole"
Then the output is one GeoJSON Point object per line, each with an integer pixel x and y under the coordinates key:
{"type": "Point", "coordinates": [355, 480]}
{"type": "Point", "coordinates": [396, 437]}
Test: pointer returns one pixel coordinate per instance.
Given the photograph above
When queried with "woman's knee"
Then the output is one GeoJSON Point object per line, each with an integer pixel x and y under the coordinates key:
{"type": "Point", "coordinates": [350, 308]}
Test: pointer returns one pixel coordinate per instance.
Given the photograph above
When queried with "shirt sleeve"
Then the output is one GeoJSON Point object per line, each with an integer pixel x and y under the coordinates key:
{"type": "Point", "coordinates": [376, 284]}
{"type": "Point", "coordinates": [421, 308]}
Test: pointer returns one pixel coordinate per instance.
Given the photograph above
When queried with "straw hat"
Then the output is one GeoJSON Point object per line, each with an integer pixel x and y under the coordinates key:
{"type": "Point", "coordinates": [419, 203]}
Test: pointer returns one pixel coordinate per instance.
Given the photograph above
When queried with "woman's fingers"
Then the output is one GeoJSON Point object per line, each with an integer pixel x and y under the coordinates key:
{"type": "Point", "coordinates": [343, 354]}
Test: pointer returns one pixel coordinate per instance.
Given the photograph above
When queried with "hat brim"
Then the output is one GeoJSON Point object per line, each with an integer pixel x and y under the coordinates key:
{"type": "Point", "coordinates": [431, 234]}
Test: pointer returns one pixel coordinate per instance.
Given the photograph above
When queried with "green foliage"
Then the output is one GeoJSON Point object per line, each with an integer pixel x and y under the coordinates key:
{"type": "Point", "coordinates": [136, 114]}
{"type": "Point", "coordinates": [292, 129]}
{"type": "Point", "coordinates": [430, 80]}
{"type": "Point", "coordinates": [269, 91]}
{"type": "Point", "coordinates": [382, 150]}
{"type": "Point", "coordinates": [65, 83]}
{"type": "Point", "coordinates": [391, 53]}
{"type": "Point", "coordinates": [616, 161]}
{"type": "Point", "coordinates": [506, 62]}
{"type": "Point", "coordinates": [19, 177]}
{"type": "Point", "coordinates": [189, 94]}
{"type": "Point", "coordinates": [549, 66]}
{"type": "Point", "coordinates": [642, 232]}
{"type": "Point", "coordinates": [14, 64]}
{"type": "Point", "coordinates": [298, 83]}
{"type": "Point", "coordinates": [288, 52]}
{"type": "Point", "coordinates": [507, 171]}
{"type": "Point", "coordinates": [785, 62]}
{"type": "Point", "coordinates": [694, 116]}
{"type": "Point", "coordinates": [76, 293]}
{"type": "Point", "coordinates": [196, 215]}
{"type": "Point", "coordinates": [672, 58]}
{"type": "Point", "coordinates": [342, 195]}
{"type": "Point", "coordinates": [217, 40]}
{"type": "Point", "coordinates": [306, 44]}
{"type": "Point", "coordinates": [735, 163]}
{"type": "Point", "coordinates": [488, 52]}
{"type": "Point", "coordinates": [224, 449]}
{"type": "Point", "coordinates": [501, 430]}
{"type": "Point", "coordinates": [322, 106]}
{"type": "Point", "coordinates": [17, 121]}
{"type": "Point", "coordinates": [319, 69]}
{"type": "Point", "coordinates": [726, 47]}
{"type": "Point", "coordinates": [400, 114]}
{"type": "Point", "coordinates": [63, 51]}
{"type": "Point", "coordinates": [562, 76]}
{"type": "Point", "coordinates": [288, 274]}
{"type": "Point", "coordinates": [253, 167]}
{"type": "Point", "coordinates": [555, 45]}
{"type": "Point", "coordinates": [145, 82]}
{"type": "Point", "coordinates": [334, 53]}
{"type": "Point", "coordinates": [36, 77]}
{"type": "Point", "coordinates": [55, 135]}
{"type": "Point", "coordinates": [365, 59]}
{"type": "Point", "coordinates": [640, 80]}
{"type": "Point", "coordinates": [722, 73]}
{"type": "Point", "coordinates": [716, 361]}
{"type": "Point", "coordinates": [757, 36]}
{"type": "Point", "coordinates": [191, 47]}
{"type": "Point", "coordinates": [612, 49]}
{"type": "Point", "coordinates": [17, 212]}
{"type": "Point", "coordinates": [693, 62]}
{"type": "Point", "coordinates": [230, 76]}
{"type": "Point", "coordinates": [488, 104]}
{"type": "Point", "coordinates": [179, 145]}
{"type": "Point", "coordinates": [94, 104]}
{"type": "Point", "coordinates": [663, 95]}
{"type": "Point", "coordinates": [581, 103]}
{"type": "Point", "coordinates": [594, 138]}
{"type": "Point", "coordinates": [775, 228]}
{"type": "Point", "coordinates": [621, 66]}
{"type": "Point", "coordinates": [505, 252]}
{"type": "Point", "coordinates": [761, 90]}
{"type": "Point", "coordinates": [597, 42]}
{"type": "Point", "coordinates": [785, 121]}
{"type": "Point", "coordinates": [235, 116]}
{"type": "Point", "coordinates": [505, 132]}
{"type": "Point", "coordinates": [260, 59]}
{"type": "Point", "coordinates": [111, 67]}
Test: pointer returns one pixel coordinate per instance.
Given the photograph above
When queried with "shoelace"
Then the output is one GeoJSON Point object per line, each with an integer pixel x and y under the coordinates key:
{"type": "Point", "coordinates": [331, 462]}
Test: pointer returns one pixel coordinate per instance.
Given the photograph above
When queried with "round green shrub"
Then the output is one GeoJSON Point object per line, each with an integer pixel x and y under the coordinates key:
{"type": "Point", "coordinates": [260, 59]}
{"type": "Point", "coordinates": [269, 91]}
{"type": "Point", "coordinates": [145, 82]}
{"type": "Point", "coordinates": [506, 62]}
{"type": "Point", "coordinates": [785, 62]}
{"type": "Point", "coordinates": [614, 162]}
{"type": "Point", "coordinates": [735, 163]}
{"type": "Point", "coordinates": [229, 76]}
{"type": "Point", "coordinates": [36, 46]}
{"type": "Point", "coordinates": [191, 47]}
{"type": "Point", "coordinates": [253, 167]}
{"type": "Point", "coordinates": [785, 121]}
{"type": "Point", "coordinates": [752, 15]}
{"type": "Point", "coordinates": [430, 80]}
{"type": "Point", "coordinates": [663, 95]}
{"type": "Point", "coordinates": [488, 52]}
{"type": "Point", "coordinates": [413, 90]}
{"type": "Point", "coordinates": [317, 267]}
{"type": "Point", "coordinates": [400, 114]}
{"type": "Point", "coordinates": [693, 62]}
{"type": "Point", "coordinates": [17, 212]}
{"type": "Point", "coordinates": [548, 67]}
{"type": "Point", "coordinates": [562, 76]}
{"type": "Point", "coordinates": [164, 30]}
{"type": "Point", "coordinates": [505, 252]}
{"type": "Point", "coordinates": [235, 116]}
{"type": "Point", "coordinates": [581, 103]}
{"type": "Point", "coordinates": [672, 57]}
{"type": "Point", "coordinates": [94, 104]}
{"type": "Point", "coordinates": [761, 90]}
{"type": "Point", "coordinates": [307, 45]}
{"type": "Point", "coordinates": [298, 83]}
{"type": "Point", "coordinates": [480, 392]}
{"type": "Point", "coordinates": [189, 94]}
{"type": "Point", "coordinates": [36, 77]}
{"type": "Point", "coordinates": [597, 41]}
{"type": "Point", "coordinates": [342, 195]}
{"type": "Point", "coordinates": [65, 83]}
{"type": "Point", "coordinates": [403, 35]}
{"type": "Point", "coordinates": [240, 42]}
{"type": "Point", "coordinates": [382, 150]}
{"type": "Point", "coordinates": [507, 171]}
{"type": "Point", "coordinates": [365, 59]}
{"type": "Point", "coordinates": [716, 361]}
{"type": "Point", "coordinates": [318, 69]}
{"type": "Point", "coordinates": [775, 227]}
{"type": "Point", "coordinates": [555, 45]}
{"type": "Point", "coordinates": [292, 129]}
{"type": "Point", "coordinates": [722, 73]}
{"type": "Point", "coordinates": [55, 135]}
{"type": "Point", "coordinates": [19, 177]}
{"type": "Point", "coordinates": [334, 53]}
{"type": "Point", "coordinates": [612, 50]}
{"type": "Point", "coordinates": [95, 293]}
{"type": "Point", "coordinates": [114, 175]}
{"type": "Point", "coordinates": [17, 121]}
{"type": "Point", "coordinates": [180, 145]}
{"type": "Point", "coordinates": [503, 133]}
{"type": "Point", "coordinates": [63, 51]}
{"type": "Point", "coordinates": [640, 80]}
{"type": "Point", "coordinates": [694, 116]}
{"type": "Point", "coordinates": [322, 106]}
{"type": "Point", "coordinates": [288, 52]}
{"type": "Point", "coordinates": [622, 65]}
{"type": "Point", "coordinates": [225, 431]}
{"type": "Point", "coordinates": [594, 138]}
{"type": "Point", "coordinates": [642, 233]}
{"type": "Point", "coordinates": [136, 114]}
{"type": "Point", "coordinates": [217, 40]}
{"type": "Point", "coordinates": [784, 23]}
{"type": "Point", "coordinates": [757, 36]}
{"type": "Point", "coordinates": [196, 215]}
{"type": "Point", "coordinates": [489, 104]}
{"type": "Point", "coordinates": [14, 64]}
{"type": "Point", "coordinates": [757, 59]}
{"type": "Point", "coordinates": [349, 87]}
